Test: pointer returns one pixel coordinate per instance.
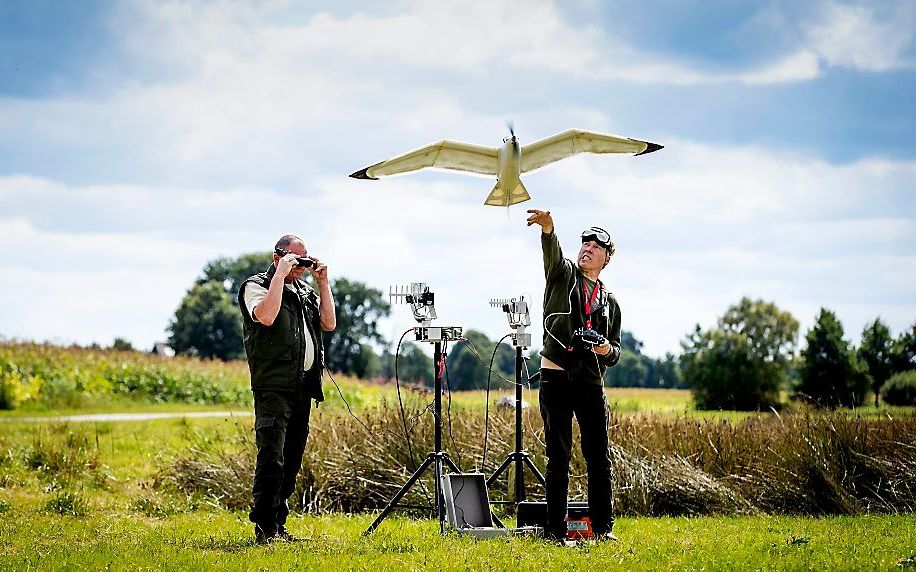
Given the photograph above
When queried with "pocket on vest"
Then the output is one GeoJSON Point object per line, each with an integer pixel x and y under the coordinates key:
{"type": "Point", "coordinates": [276, 352]}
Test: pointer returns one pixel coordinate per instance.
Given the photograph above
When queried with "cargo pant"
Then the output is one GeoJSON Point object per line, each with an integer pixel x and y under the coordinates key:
{"type": "Point", "coordinates": [560, 398]}
{"type": "Point", "coordinates": [281, 429]}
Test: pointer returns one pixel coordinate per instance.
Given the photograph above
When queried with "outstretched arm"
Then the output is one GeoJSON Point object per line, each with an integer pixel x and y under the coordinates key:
{"type": "Point", "coordinates": [550, 246]}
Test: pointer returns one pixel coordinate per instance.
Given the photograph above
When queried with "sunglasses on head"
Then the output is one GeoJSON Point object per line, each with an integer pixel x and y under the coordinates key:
{"type": "Point", "coordinates": [302, 261]}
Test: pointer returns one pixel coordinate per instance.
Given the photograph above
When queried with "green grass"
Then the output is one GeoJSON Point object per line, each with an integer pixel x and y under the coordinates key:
{"type": "Point", "coordinates": [128, 524]}
{"type": "Point", "coordinates": [224, 540]}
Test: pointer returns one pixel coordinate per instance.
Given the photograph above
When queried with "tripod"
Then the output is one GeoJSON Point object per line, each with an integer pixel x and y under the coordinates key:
{"type": "Point", "coordinates": [518, 320]}
{"type": "Point", "coordinates": [436, 459]}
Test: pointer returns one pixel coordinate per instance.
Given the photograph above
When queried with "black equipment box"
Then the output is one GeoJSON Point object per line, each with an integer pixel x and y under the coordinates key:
{"type": "Point", "coordinates": [535, 513]}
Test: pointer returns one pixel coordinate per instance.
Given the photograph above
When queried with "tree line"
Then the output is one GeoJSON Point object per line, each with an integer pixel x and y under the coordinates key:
{"type": "Point", "coordinates": [207, 323]}
{"type": "Point", "coordinates": [748, 361]}
{"type": "Point", "coordinates": [750, 358]}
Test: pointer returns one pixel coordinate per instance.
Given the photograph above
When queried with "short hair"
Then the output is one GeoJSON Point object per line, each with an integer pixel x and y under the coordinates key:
{"type": "Point", "coordinates": [285, 240]}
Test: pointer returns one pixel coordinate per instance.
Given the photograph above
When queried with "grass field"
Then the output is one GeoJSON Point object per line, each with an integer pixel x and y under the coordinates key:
{"type": "Point", "coordinates": [97, 495]}
{"type": "Point", "coordinates": [208, 540]}
{"type": "Point", "coordinates": [92, 504]}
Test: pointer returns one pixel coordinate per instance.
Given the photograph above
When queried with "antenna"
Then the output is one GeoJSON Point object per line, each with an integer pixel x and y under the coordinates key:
{"type": "Point", "coordinates": [516, 310]}
{"type": "Point", "coordinates": [422, 302]}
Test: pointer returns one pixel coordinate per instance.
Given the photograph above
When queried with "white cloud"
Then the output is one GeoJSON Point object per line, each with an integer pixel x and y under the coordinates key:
{"type": "Point", "coordinates": [693, 238]}
{"type": "Point", "coordinates": [855, 36]}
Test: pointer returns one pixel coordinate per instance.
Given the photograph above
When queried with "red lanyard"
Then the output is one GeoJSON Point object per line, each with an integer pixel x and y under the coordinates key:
{"type": "Point", "coordinates": [588, 300]}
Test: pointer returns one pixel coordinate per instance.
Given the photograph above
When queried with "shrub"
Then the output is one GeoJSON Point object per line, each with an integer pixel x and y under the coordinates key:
{"type": "Point", "coordinates": [900, 389]}
{"type": "Point", "coordinates": [5, 506]}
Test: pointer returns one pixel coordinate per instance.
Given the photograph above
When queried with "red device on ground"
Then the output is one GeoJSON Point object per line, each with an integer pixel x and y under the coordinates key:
{"type": "Point", "coordinates": [579, 528]}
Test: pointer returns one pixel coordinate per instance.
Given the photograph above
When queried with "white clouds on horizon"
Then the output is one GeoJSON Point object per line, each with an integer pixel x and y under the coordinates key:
{"type": "Point", "coordinates": [693, 239]}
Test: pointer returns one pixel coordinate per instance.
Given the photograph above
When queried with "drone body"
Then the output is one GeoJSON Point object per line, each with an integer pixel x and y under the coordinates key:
{"type": "Point", "coordinates": [506, 162]}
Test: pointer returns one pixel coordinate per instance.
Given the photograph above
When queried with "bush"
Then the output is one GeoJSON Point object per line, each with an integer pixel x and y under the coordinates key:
{"type": "Point", "coordinates": [900, 389]}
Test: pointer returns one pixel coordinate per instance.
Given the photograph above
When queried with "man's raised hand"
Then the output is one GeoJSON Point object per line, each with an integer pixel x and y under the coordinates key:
{"type": "Point", "coordinates": [286, 263]}
{"type": "Point", "coordinates": [319, 270]}
{"type": "Point", "coordinates": [541, 218]}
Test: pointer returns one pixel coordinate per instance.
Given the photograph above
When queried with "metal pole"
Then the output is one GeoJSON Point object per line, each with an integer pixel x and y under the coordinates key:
{"type": "Point", "coordinates": [519, 464]}
{"type": "Point", "coordinates": [440, 504]}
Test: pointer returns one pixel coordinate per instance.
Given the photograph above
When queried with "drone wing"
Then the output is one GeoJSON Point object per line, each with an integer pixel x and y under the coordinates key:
{"type": "Point", "coordinates": [443, 155]}
{"type": "Point", "coordinates": [574, 141]}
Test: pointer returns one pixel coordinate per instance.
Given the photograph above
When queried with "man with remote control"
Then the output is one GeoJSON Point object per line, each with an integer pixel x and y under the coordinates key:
{"type": "Point", "coordinates": [581, 340]}
{"type": "Point", "coordinates": [283, 318]}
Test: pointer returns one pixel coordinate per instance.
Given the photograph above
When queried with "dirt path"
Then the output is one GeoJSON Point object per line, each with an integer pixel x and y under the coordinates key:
{"type": "Point", "coordinates": [127, 416]}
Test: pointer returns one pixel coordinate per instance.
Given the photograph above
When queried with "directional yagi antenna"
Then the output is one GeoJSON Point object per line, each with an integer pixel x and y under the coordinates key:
{"type": "Point", "coordinates": [420, 298]}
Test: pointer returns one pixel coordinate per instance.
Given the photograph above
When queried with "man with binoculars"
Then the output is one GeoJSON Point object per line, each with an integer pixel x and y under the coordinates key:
{"type": "Point", "coordinates": [581, 340]}
{"type": "Point", "coordinates": [283, 318]}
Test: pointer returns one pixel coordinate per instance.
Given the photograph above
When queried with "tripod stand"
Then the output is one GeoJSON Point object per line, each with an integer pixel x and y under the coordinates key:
{"type": "Point", "coordinates": [518, 320]}
{"type": "Point", "coordinates": [436, 459]}
{"type": "Point", "coordinates": [422, 303]}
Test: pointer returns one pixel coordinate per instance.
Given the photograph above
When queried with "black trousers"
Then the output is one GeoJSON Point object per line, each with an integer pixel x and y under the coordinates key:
{"type": "Point", "coordinates": [561, 397]}
{"type": "Point", "coordinates": [281, 423]}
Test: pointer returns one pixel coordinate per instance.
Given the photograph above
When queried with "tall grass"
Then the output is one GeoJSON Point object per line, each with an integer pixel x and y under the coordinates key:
{"type": "Point", "coordinates": [806, 463]}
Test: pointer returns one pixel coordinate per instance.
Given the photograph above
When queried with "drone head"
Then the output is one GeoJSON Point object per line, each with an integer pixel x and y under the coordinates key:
{"type": "Point", "coordinates": [511, 136]}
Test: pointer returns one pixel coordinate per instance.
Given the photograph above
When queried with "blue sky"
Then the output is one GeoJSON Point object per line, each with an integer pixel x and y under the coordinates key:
{"type": "Point", "coordinates": [139, 139]}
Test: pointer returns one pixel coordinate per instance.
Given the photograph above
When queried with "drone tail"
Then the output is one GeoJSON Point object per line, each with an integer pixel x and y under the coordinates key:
{"type": "Point", "coordinates": [499, 198]}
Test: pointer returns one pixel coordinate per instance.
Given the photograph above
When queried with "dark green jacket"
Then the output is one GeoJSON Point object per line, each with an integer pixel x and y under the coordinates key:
{"type": "Point", "coordinates": [564, 313]}
{"type": "Point", "coordinates": [275, 352]}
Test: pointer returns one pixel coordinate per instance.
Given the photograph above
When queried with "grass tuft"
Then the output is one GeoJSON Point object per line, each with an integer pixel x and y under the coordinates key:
{"type": "Point", "coordinates": [66, 503]}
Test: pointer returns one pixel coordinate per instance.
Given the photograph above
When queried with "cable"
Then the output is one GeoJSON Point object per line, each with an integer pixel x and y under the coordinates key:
{"type": "Point", "coordinates": [476, 354]}
{"type": "Point", "coordinates": [347, 403]}
{"type": "Point", "coordinates": [486, 430]}
{"type": "Point", "coordinates": [397, 383]}
{"type": "Point", "coordinates": [567, 313]}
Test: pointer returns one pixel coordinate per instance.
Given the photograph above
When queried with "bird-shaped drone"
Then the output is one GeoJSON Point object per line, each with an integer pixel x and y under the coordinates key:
{"type": "Point", "coordinates": [508, 161]}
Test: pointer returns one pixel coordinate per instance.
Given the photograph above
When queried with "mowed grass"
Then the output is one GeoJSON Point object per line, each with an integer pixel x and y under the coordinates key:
{"type": "Point", "coordinates": [208, 540]}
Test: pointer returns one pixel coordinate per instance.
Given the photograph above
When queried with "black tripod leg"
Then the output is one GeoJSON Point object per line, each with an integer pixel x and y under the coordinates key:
{"type": "Point", "coordinates": [451, 465]}
{"type": "Point", "coordinates": [394, 500]}
{"type": "Point", "coordinates": [500, 470]}
{"type": "Point", "coordinates": [535, 470]}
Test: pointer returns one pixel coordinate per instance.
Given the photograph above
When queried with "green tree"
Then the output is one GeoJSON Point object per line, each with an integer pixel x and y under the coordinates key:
{"type": "Point", "coordinates": [231, 272]}
{"type": "Point", "coordinates": [465, 370]}
{"type": "Point", "coordinates": [358, 309]}
{"type": "Point", "coordinates": [830, 374]}
{"type": "Point", "coordinates": [903, 351]}
{"type": "Point", "coordinates": [629, 342]}
{"type": "Point", "coordinates": [668, 372]}
{"type": "Point", "coordinates": [875, 353]}
{"type": "Point", "coordinates": [413, 364]}
{"type": "Point", "coordinates": [207, 323]}
{"type": "Point", "coordinates": [630, 371]}
{"type": "Point", "coordinates": [122, 345]}
{"type": "Point", "coordinates": [743, 363]}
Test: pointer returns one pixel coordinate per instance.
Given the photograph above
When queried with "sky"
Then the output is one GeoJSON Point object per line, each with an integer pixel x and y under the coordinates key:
{"type": "Point", "coordinates": [140, 139]}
